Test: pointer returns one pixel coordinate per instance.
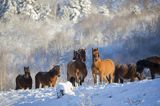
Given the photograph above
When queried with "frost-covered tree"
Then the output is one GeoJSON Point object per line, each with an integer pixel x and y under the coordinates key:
{"type": "Point", "coordinates": [73, 9]}
{"type": "Point", "coordinates": [30, 8]}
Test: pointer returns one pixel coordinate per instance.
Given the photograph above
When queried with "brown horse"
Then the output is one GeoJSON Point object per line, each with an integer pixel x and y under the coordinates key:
{"type": "Point", "coordinates": [103, 68]}
{"type": "Point", "coordinates": [47, 78]}
{"type": "Point", "coordinates": [153, 63]}
{"type": "Point", "coordinates": [126, 71]}
{"type": "Point", "coordinates": [77, 70]}
{"type": "Point", "coordinates": [24, 81]}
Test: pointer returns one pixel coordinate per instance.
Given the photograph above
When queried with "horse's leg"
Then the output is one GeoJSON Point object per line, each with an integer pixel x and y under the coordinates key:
{"type": "Point", "coordinates": [25, 87]}
{"type": "Point", "coordinates": [80, 82]}
{"type": "Point", "coordinates": [37, 82]}
{"type": "Point", "coordinates": [106, 79]}
{"type": "Point", "coordinates": [17, 87]}
{"type": "Point", "coordinates": [132, 79]}
{"type": "Point", "coordinates": [43, 85]}
{"type": "Point", "coordinates": [95, 78]}
{"type": "Point", "coordinates": [101, 78]}
{"type": "Point", "coordinates": [152, 74]}
{"type": "Point", "coordinates": [72, 80]}
{"type": "Point", "coordinates": [17, 84]}
{"type": "Point", "coordinates": [54, 82]}
{"type": "Point", "coordinates": [68, 77]}
{"type": "Point", "coordinates": [121, 80]}
{"type": "Point", "coordinates": [139, 76]}
{"type": "Point", "coordinates": [78, 76]}
{"type": "Point", "coordinates": [111, 77]}
{"type": "Point", "coordinates": [30, 86]}
{"type": "Point", "coordinates": [116, 79]}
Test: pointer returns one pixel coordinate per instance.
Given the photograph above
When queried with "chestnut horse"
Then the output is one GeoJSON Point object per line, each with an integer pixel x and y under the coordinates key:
{"type": "Point", "coordinates": [103, 68]}
{"type": "Point", "coordinates": [153, 63]}
{"type": "Point", "coordinates": [76, 69]}
{"type": "Point", "coordinates": [47, 78]}
{"type": "Point", "coordinates": [126, 71]}
{"type": "Point", "coordinates": [24, 81]}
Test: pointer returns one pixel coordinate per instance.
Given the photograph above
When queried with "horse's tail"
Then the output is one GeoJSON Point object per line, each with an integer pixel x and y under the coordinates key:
{"type": "Point", "coordinates": [37, 82]}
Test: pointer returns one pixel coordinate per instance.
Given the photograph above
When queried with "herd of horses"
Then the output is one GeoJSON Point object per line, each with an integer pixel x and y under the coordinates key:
{"type": "Point", "coordinates": [106, 69]}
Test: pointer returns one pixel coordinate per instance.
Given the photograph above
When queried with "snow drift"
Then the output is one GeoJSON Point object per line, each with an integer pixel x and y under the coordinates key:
{"type": "Point", "coordinates": [40, 33]}
{"type": "Point", "coordinates": [143, 93]}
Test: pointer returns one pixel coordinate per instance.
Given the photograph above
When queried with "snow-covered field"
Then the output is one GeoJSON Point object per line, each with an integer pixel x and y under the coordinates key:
{"type": "Point", "coordinates": [42, 33]}
{"type": "Point", "coordinates": [142, 93]}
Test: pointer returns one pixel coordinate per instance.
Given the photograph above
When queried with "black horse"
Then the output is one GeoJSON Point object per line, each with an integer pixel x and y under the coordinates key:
{"type": "Point", "coordinates": [24, 81]}
{"type": "Point", "coordinates": [153, 63]}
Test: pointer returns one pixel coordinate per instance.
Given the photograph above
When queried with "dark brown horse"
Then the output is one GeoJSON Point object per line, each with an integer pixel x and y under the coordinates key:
{"type": "Point", "coordinates": [103, 68]}
{"type": "Point", "coordinates": [126, 71]}
{"type": "Point", "coordinates": [24, 81]}
{"type": "Point", "coordinates": [153, 63]}
{"type": "Point", "coordinates": [47, 78]}
{"type": "Point", "coordinates": [77, 70]}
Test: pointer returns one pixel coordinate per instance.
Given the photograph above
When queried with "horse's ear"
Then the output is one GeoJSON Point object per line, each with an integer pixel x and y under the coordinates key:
{"type": "Point", "coordinates": [97, 48]}
{"type": "Point", "coordinates": [25, 69]}
{"type": "Point", "coordinates": [53, 65]}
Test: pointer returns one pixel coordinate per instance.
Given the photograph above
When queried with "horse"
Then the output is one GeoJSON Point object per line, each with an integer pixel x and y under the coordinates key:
{"type": "Point", "coordinates": [76, 69]}
{"type": "Point", "coordinates": [126, 71]}
{"type": "Point", "coordinates": [24, 81]}
{"type": "Point", "coordinates": [103, 68]}
{"type": "Point", "coordinates": [47, 78]}
{"type": "Point", "coordinates": [153, 63]}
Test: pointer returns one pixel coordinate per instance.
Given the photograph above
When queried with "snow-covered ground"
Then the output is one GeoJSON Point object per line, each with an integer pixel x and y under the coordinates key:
{"type": "Point", "coordinates": [142, 93]}
{"type": "Point", "coordinates": [40, 33]}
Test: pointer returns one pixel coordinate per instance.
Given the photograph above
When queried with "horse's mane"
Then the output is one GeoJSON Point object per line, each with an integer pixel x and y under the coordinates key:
{"type": "Point", "coordinates": [53, 71]}
{"type": "Point", "coordinates": [153, 57]}
{"type": "Point", "coordinates": [148, 63]}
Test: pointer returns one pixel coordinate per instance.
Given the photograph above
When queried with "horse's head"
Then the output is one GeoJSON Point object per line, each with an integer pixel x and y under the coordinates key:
{"type": "Point", "coordinates": [79, 55]}
{"type": "Point", "coordinates": [95, 54]}
{"type": "Point", "coordinates": [82, 54]}
{"type": "Point", "coordinates": [76, 55]}
{"type": "Point", "coordinates": [56, 70]}
{"type": "Point", "coordinates": [140, 66]}
{"type": "Point", "coordinates": [26, 72]}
